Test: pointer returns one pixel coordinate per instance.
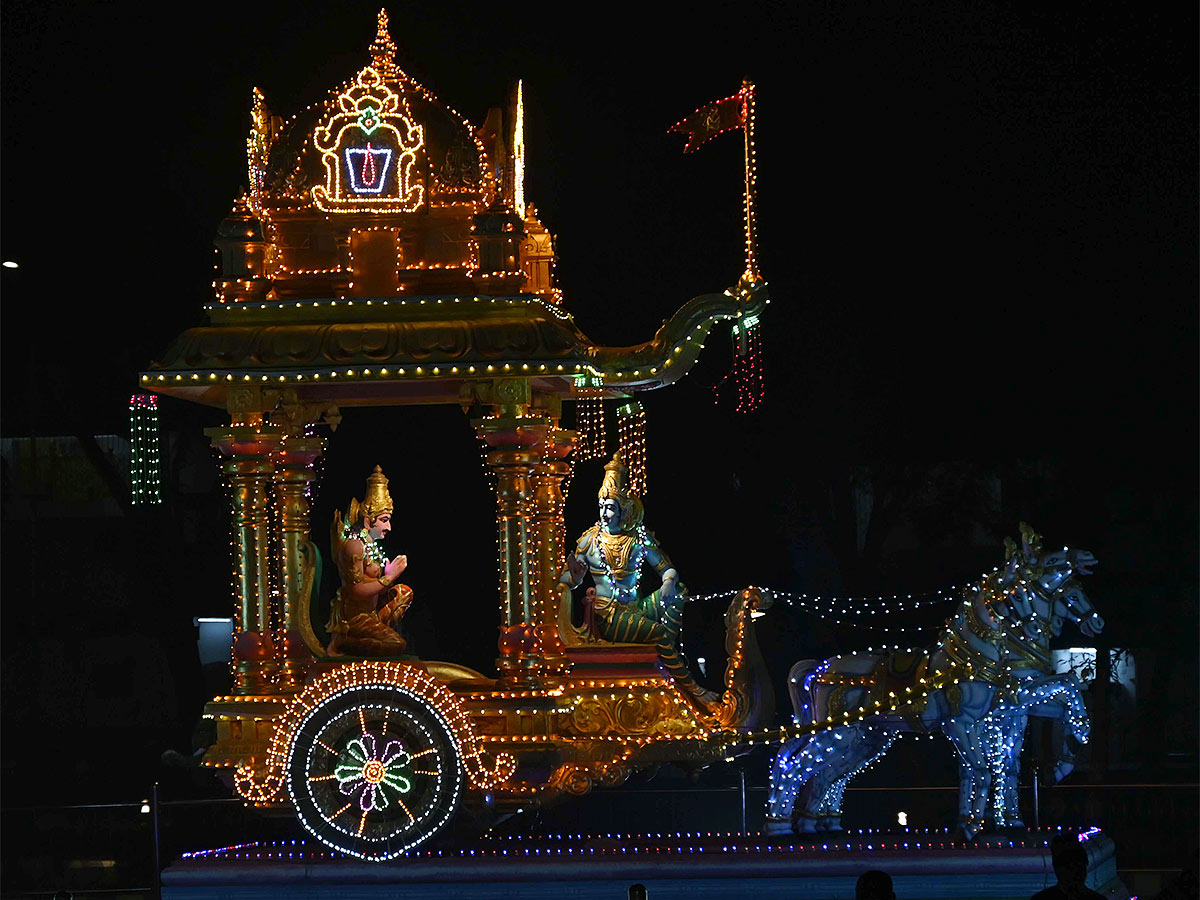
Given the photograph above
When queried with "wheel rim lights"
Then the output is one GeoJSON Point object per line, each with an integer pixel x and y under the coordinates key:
{"type": "Point", "coordinates": [408, 790]}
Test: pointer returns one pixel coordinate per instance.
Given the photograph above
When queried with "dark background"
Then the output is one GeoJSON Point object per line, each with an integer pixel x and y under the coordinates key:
{"type": "Point", "coordinates": [979, 228]}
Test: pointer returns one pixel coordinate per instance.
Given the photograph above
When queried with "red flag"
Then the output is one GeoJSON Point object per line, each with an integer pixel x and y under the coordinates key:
{"type": "Point", "coordinates": [709, 121]}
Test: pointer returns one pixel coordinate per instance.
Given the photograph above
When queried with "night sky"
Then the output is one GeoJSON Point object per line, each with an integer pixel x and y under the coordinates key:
{"type": "Point", "coordinates": [978, 224]}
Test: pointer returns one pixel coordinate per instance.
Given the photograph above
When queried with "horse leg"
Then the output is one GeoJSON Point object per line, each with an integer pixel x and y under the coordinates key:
{"type": "Point", "coordinates": [974, 778]}
{"type": "Point", "coordinates": [817, 774]}
{"type": "Point", "coordinates": [1008, 801]}
{"type": "Point", "coordinates": [1060, 697]}
{"type": "Point", "coordinates": [787, 777]}
{"type": "Point", "coordinates": [843, 753]}
{"type": "Point", "coordinates": [825, 756]}
{"type": "Point", "coordinates": [874, 743]}
{"type": "Point", "coordinates": [967, 732]}
{"type": "Point", "coordinates": [831, 819]}
{"type": "Point", "coordinates": [995, 733]}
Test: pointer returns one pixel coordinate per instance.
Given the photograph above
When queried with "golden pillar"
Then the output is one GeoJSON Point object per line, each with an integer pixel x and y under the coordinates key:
{"type": "Point", "coordinates": [520, 661]}
{"type": "Point", "coordinates": [527, 454]}
{"type": "Point", "coordinates": [246, 452]}
{"type": "Point", "coordinates": [548, 535]}
{"type": "Point", "coordinates": [292, 476]}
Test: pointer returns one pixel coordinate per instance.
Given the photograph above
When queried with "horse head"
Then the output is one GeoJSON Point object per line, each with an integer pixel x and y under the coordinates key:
{"type": "Point", "coordinates": [1059, 580]}
{"type": "Point", "coordinates": [1073, 603]}
{"type": "Point", "coordinates": [1048, 579]}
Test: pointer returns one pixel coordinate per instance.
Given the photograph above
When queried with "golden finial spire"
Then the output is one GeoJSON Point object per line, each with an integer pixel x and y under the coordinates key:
{"type": "Point", "coordinates": [258, 145]}
{"type": "Point", "coordinates": [519, 155]}
{"type": "Point", "coordinates": [383, 48]}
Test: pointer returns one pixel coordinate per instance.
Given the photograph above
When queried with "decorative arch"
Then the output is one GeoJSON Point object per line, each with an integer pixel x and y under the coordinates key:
{"type": "Point", "coordinates": [369, 147]}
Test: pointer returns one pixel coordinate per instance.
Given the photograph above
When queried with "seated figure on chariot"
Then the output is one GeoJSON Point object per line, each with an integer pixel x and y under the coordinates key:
{"type": "Point", "coordinates": [368, 608]}
{"type": "Point", "coordinates": [614, 550]}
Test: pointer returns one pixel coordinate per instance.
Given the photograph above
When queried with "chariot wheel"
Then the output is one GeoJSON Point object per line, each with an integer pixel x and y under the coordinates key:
{"type": "Point", "coordinates": [374, 771]}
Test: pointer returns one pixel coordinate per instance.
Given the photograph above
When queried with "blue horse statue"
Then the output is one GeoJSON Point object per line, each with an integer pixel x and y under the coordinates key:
{"type": "Point", "coordinates": [990, 671]}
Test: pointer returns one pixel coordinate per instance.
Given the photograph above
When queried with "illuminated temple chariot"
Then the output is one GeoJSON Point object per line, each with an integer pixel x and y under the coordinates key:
{"type": "Point", "coordinates": [384, 255]}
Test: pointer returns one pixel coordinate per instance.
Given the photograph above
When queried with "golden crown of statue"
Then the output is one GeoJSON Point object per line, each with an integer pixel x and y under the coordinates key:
{"type": "Point", "coordinates": [614, 487]}
{"type": "Point", "coordinates": [375, 502]}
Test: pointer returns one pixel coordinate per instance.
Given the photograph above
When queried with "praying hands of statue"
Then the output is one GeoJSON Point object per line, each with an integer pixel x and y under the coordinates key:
{"type": "Point", "coordinates": [393, 569]}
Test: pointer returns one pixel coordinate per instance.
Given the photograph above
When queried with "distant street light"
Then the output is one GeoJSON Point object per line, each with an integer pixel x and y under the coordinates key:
{"type": "Point", "coordinates": [9, 264]}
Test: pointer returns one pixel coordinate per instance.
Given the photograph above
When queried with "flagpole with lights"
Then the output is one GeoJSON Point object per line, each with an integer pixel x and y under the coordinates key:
{"type": "Point", "coordinates": [747, 94]}
{"type": "Point", "coordinates": [737, 111]}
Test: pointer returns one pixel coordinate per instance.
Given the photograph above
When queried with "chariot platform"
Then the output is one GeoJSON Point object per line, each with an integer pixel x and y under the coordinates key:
{"type": "Point", "coordinates": [694, 866]}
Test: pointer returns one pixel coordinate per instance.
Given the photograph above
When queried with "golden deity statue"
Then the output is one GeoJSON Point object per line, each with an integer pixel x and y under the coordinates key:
{"type": "Point", "coordinates": [369, 605]}
{"type": "Point", "coordinates": [614, 551]}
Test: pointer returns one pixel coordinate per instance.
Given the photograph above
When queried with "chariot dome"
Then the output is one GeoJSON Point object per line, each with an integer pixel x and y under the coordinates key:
{"type": "Point", "coordinates": [381, 190]}
{"type": "Point", "coordinates": [383, 253]}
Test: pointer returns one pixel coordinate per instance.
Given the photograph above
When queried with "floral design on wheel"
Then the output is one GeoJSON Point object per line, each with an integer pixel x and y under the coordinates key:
{"type": "Point", "coordinates": [370, 776]}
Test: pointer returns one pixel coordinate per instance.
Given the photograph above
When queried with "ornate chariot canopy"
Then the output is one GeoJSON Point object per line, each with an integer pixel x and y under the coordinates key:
{"type": "Point", "coordinates": [383, 254]}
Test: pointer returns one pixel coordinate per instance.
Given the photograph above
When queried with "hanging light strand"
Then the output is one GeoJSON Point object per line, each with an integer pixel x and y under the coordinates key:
{"type": "Point", "coordinates": [145, 468]}
{"type": "Point", "coordinates": [746, 372]}
{"type": "Point", "coordinates": [589, 409]}
{"type": "Point", "coordinates": [857, 611]}
{"type": "Point", "coordinates": [631, 434]}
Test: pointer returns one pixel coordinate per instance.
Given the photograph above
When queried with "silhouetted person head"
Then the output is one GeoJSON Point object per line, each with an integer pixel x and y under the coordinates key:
{"type": "Point", "coordinates": [1070, 860]}
{"type": "Point", "coordinates": [874, 885]}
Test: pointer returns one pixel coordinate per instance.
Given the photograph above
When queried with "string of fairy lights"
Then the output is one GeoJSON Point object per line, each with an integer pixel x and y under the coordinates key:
{"type": "Point", "coordinates": [589, 418]}
{"type": "Point", "coordinates": [859, 612]}
{"type": "Point", "coordinates": [631, 438]}
{"type": "Point", "coordinates": [748, 364]}
{"type": "Point", "coordinates": [145, 458]}
{"type": "Point", "coordinates": [749, 381]}
{"type": "Point", "coordinates": [225, 311]}
{"type": "Point", "coordinates": [667, 844]}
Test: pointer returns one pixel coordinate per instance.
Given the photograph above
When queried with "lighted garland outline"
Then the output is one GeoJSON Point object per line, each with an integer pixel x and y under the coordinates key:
{"type": "Point", "coordinates": [369, 85]}
{"type": "Point", "coordinates": [620, 377]}
{"type": "Point", "coordinates": [639, 842]}
{"type": "Point", "coordinates": [265, 785]}
{"type": "Point", "coordinates": [368, 153]}
{"type": "Point", "coordinates": [448, 809]}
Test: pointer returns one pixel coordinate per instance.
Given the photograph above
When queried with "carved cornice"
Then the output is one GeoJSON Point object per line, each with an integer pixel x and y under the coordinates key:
{"type": "Point", "coordinates": [424, 349]}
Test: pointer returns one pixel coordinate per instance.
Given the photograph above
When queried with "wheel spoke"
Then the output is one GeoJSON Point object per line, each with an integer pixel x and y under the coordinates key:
{"type": "Point", "coordinates": [411, 817]}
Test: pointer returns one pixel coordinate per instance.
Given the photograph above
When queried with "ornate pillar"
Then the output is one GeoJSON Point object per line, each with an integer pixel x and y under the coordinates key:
{"type": "Point", "coordinates": [520, 661]}
{"type": "Point", "coordinates": [546, 526]}
{"type": "Point", "coordinates": [526, 453]}
{"type": "Point", "coordinates": [246, 452]}
{"type": "Point", "coordinates": [292, 477]}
